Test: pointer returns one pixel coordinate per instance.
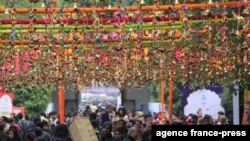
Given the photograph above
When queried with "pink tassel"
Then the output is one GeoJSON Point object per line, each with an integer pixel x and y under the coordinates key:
{"type": "Point", "coordinates": [104, 37]}
{"type": "Point", "coordinates": [17, 60]}
{"type": "Point", "coordinates": [18, 69]}
{"type": "Point", "coordinates": [26, 56]}
{"type": "Point", "coordinates": [178, 54]}
{"type": "Point", "coordinates": [114, 35]}
{"type": "Point", "coordinates": [9, 66]}
{"type": "Point", "coordinates": [26, 65]}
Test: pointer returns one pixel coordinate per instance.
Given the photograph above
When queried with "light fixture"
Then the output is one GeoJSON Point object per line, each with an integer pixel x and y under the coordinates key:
{"type": "Point", "coordinates": [43, 5]}
{"type": "Point", "coordinates": [210, 1]}
{"type": "Point", "coordinates": [75, 5]}
{"type": "Point", "coordinates": [6, 11]}
{"type": "Point", "coordinates": [176, 2]}
{"type": "Point", "coordinates": [109, 7]}
{"type": "Point", "coordinates": [142, 2]}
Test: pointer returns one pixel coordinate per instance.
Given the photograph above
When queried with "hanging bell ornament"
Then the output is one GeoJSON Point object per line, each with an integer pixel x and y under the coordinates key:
{"type": "Point", "coordinates": [109, 7]}
{"type": "Point", "coordinates": [6, 11]}
{"type": "Point", "coordinates": [210, 2]}
{"type": "Point", "coordinates": [142, 2]}
{"type": "Point", "coordinates": [176, 2]}
{"type": "Point", "coordinates": [43, 5]}
{"type": "Point", "coordinates": [75, 5]}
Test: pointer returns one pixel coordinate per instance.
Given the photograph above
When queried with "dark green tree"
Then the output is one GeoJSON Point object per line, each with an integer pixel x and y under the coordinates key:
{"type": "Point", "coordinates": [34, 98]}
{"type": "Point", "coordinates": [177, 96]}
{"type": "Point", "coordinates": [227, 100]}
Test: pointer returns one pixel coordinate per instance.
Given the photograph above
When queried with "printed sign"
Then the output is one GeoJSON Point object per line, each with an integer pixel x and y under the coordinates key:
{"type": "Point", "coordinates": [17, 110]}
{"type": "Point", "coordinates": [6, 104]}
{"type": "Point", "coordinates": [204, 99]}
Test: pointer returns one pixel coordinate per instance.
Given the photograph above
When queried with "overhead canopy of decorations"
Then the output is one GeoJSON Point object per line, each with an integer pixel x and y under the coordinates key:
{"type": "Point", "coordinates": [199, 43]}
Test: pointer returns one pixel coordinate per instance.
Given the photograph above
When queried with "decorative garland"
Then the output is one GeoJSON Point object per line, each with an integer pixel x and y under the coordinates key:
{"type": "Point", "coordinates": [203, 44]}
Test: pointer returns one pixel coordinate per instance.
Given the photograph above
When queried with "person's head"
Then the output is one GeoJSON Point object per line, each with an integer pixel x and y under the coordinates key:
{"type": "Point", "coordinates": [109, 108]}
{"type": "Point", "coordinates": [133, 112]}
{"type": "Point", "coordinates": [133, 132]}
{"type": "Point", "coordinates": [20, 116]}
{"type": "Point", "coordinates": [12, 133]}
{"type": "Point", "coordinates": [36, 118]}
{"type": "Point", "coordinates": [148, 118]}
{"type": "Point", "coordinates": [207, 120]}
{"type": "Point", "coordinates": [53, 115]}
{"type": "Point", "coordinates": [39, 124]}
{"type": "Point", "coordinates": [199, 113]}
{"type": "Point", "coordinates": [107, 125]}
{"type": "Point", "coordinates": [105, 132]}
{"type": "Point", "coordinates": [176, 123]}
{"type": "Point", "coordinates": [131, 122]}
{"type": "Point", "coordinates": [121, 123]}
{"type": "Point", "coordinates": [114, 125]}
{"type": "Point", "coordinates": [192, 119]}
{"type": "Point", "coordinates": [117, 135]}
{"type": "Point", "coordinates": [200, 121]}
{"type": "Point", "coordinates": [220, 113]}
{"type": "Point", "coordinates": [148, 127]}
{"type": "Point", "coordinates": [61, 130]}
{"type": "Point", "coordinates": [138, 123]}
{"type": "Point", "coordinates": [29, 136]}
{"type": "Point", "coordinates": [12, 115]}
{"type": "Point", "coordinates": [15, 119]}
{"type": "Point", "coordinates": [222, 120]}
{"type": "Point", "coordinates": [121, 112]}
{"type": "Point", "coordinates": [4, 120]}
{"type": "Point", "coordinates": [11, 121]}
{"type": "Point", "coordinates": [38, 131]}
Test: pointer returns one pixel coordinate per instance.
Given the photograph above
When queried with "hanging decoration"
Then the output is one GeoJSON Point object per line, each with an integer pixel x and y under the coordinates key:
{"type": "Point", "coordinates": [203, 43]}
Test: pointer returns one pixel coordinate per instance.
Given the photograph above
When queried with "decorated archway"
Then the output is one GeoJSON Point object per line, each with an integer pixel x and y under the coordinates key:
{"type": "Point", "coordinates": [127, 46]}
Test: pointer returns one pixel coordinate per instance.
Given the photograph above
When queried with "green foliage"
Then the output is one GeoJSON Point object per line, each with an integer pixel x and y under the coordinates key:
{"type": "Point", "coordinates": [177, 96]}
{"type": "Point", "coordinates": [155, 91]}
{"type": "Point", "coordinates": [177, 100]}
{"type": "Point", "coordinates": [34, 98]}
{"type": "Point", "coordinates": [227, 100]}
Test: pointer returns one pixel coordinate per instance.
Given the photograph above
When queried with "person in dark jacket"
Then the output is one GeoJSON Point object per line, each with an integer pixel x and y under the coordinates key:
{"type": "Point", "coordinates": [42, 135]}
{"type": "Point", "coordinates": [106, 134]}
{"type": "Point", "coordinates": [133, 134]}
{"type": "Point", "coordinates": [61, 133]}
{"type": "Point", "coordinates": [105, 115]}
{"type": "Point", "coordinates": [147, 134]}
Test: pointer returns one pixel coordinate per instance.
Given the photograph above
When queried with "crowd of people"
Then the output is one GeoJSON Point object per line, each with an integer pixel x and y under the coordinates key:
{"type": "Point", "coordinates": [110, 124]}
{"type": "Point", "coordinates": [114, 124]}
{"type": "Point", "coordinates": [40, 127]}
